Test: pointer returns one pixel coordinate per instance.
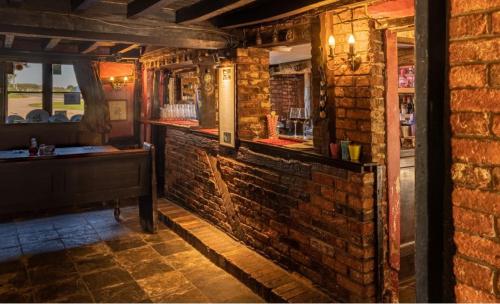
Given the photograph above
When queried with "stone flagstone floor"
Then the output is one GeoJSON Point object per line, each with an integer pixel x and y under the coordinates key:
{"type": "Point", "coordinates": [88, 257]}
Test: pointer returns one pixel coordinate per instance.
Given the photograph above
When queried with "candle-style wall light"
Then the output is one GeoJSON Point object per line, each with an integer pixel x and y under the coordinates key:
{"type": "Point", "coordinates": [353, 59]}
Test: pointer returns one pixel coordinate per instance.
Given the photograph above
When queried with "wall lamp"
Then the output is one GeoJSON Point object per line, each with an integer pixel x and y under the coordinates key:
{"type": "Point", "coordinates": [353, 59]}
{"type": "Point", "coordinates": [118, 83]}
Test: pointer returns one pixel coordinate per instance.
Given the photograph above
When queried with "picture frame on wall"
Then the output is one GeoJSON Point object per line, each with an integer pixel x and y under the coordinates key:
{"type": "Point", "coordinates": [227, 106]}
{"type": "Point", "coordinates": [117, 110]}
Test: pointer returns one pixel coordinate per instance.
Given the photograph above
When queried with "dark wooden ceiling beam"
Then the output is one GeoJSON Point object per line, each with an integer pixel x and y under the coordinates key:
{"type": "Point", "coordinates": [122, 49]}
{"type": "Point", "coordinates": [51, 25]}
{"type": "Point", "coordinates": [271, 10]}
{"type": "Point", "coordinates": [51, 43]}
{"type": "Point", "coordinates": [39, 56]}
{"type": "Point", "coordinates": [8, 41]}
{"type": "Point", "coordinates": [138, 8]}
{"type": "Point", "coordinates": [208, 9]}
{"type": "Point", "coordinates": [81, 5]}
{"type": "Point", "coordinates": [88, 47]}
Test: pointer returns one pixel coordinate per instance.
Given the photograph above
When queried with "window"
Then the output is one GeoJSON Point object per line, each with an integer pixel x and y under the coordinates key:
{"type": "Point", "coordinates": [59, 95]}
{"type": "Point", "coordinates": [66, 97]}
{"type": "Point", "coordinates": [25, 91]}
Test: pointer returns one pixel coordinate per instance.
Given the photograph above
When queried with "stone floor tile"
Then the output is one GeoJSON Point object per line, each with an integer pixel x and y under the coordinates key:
{"type": "Point", "coordinates": [82, 240]}
{"type": "Point", "coordinates": [18, 279]}
{"type": "Point", "coordinates": [107, 278]}
{"type": "Point", "coordinates": [160, 237]}
{"type": "Point", "coordinates": [136, 255]}
{"type": "Point", "coordinates": [48, 258]}
{"type": "Point", "coordinates": [171, 282]}
{"type": "Point", "coordinates": [73, 288]}
{"type": "Point", "coordinates": [125, 243]}
{"type": "Point", "coordinates": [9, 240]}
{"type": "Point", "coordinates": [95, 263]}
{"type": "Point", "coordinates": [51, 274]}
{"type": "Point", "coordinates": [15, 296]}
{"type": "Point", "coordinates": [11, 266]}
{"type": "Point", "coordinates": [41, 247]}
{"type": "Point", "coordinates": [89, 251]}
{"type": "Point", "coordinates": [10, 254]}
{"type": "Point", "coordinates": [148, 268]}
{"type": "Point", "coordinates": [172, 247]}
{"type": "Point", "coordinates": [129, 292]}
{"type": "Point", "coordinates": [38, 236]}
{"type": "Point", "coordinates": [193, 295]}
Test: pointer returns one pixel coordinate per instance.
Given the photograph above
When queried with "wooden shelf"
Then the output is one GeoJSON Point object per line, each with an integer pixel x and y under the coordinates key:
{"type": "Point", "coordinates": [406, 90]}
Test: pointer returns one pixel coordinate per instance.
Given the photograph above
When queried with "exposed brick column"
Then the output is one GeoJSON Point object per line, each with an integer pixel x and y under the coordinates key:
{"type": "Point", "coordinates": [356, 98]}
{"type": "Point", "coordinates": [474, 81]}
{"type": "Point", "coordinates": [253, 101]}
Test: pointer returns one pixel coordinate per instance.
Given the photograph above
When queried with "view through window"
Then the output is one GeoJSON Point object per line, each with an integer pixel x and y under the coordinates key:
{"type": "Point", "coordinates": [25, 93]}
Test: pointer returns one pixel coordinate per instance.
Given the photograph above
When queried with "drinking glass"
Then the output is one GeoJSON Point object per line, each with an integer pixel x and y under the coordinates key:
{"type": "Point", "coordinates": [294, 115]}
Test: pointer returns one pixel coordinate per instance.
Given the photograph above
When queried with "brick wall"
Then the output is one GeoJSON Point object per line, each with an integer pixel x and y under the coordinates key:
{"type": "Point", "coordinates": [287, 91]}
{"type": "Point", "coordinates": [357, 96]}
{"type": "Point", "coordinates": [311, 218]}
{"type": "Point", "coordinates": [252, 92]}
{"type": "Point", "coordinates": [475, 120]}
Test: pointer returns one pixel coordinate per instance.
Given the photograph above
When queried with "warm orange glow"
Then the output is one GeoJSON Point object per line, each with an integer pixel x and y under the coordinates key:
{"type": "Point", "coordinates": [125, 78]}
{"type": "Point", "coordinates": [331, 41]}
{"type": "Point", "coordinates": [112, 78]}
{"type": "Point", "coordinates": [351, 40]}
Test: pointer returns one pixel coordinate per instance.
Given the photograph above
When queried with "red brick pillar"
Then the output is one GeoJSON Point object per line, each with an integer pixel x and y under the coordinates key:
{"type": "Point", "coordinates": [356, 100]}
{"type": "Point", "coordinates": [253, 101]}
{"type": "Point", "coordinates": [474, 82]}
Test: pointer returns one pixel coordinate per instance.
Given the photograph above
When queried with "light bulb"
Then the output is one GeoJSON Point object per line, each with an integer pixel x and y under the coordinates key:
{"type": "Point", "coordinates": [125, 78]}
{"type": "Point", "coordinates": [331, 41]}
{"type": "Point", "coordinates": [112, 78]}
{"type": "Point", "coordinates": [351, 40]}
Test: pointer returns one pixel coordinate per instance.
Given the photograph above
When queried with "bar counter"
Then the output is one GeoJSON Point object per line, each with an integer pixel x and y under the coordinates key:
{"type": "Point", "coordinates": [265, 147]}
{"type": "Point", "coordinates": [66, 152]}
{"type": "Point", "coordinates": [285, 203]}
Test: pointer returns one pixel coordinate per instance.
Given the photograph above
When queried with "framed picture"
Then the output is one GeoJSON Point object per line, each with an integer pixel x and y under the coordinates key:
{"type": "Point", "coordinates": [227, 107]}
{"type": "Point", "coordinates": [117, 110]}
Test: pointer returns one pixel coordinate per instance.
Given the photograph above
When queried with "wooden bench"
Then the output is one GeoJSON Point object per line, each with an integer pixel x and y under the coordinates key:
{"type": "Point", "coordinates": [78, 177]}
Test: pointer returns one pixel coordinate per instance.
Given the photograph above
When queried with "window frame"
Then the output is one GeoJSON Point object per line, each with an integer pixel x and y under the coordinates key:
{"type": "Point", "coordinates": [47, 87]}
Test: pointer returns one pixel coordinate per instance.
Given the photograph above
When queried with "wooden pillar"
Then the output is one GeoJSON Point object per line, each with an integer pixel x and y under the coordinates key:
{"type": "Point", "coordinates": [207, 104]}
{"type": "Point", "coordinates": [3, 93]}
{"type": "Point", "coordinates": [393, 157]}
{"type": "Point", "coordinates": [47, 87]}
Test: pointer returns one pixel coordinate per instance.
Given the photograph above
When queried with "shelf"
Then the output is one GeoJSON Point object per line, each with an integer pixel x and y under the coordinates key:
{"type": "Point", "coordinates": [406, 90]}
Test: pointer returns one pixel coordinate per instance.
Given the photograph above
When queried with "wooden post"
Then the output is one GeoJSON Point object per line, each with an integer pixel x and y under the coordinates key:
{"type": "Point", "coordinates": [393, 156]}
{"type": "Point", "coordinates": [47, 87]}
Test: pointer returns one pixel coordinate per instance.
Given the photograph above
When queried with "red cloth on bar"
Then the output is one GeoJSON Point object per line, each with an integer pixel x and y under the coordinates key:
{"type": "Point", "coordinates": [188, 123]}
{"type": "Point", "coordinates": [211, 131]}
{"type": "Point", "coordinates": [278, 141]}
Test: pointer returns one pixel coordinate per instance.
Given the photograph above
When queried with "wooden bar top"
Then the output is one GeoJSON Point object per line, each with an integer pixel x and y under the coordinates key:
{"type": "Point", "coordinates": [59, 152]}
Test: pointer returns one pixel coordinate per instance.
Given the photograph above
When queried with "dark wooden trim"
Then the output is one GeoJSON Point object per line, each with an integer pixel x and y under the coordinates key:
{"type": "Point", "coordinates": [139, 8]}
{"type": "Point", "coordinates": [51, 43]}
{"type": "Point", "coordinates": [38, 56]}
{"type": "Point", "coordinates": [434, 226]}
{"type": "Point", "coordinates": [48, 25]}
{"type": "Point", "coordinates": [3, 92]}
{"type": "Point", "coordinates": [8, 40]}
{"type": "Point", "coordinates": [277, 151]}
{"type": "Point", "coordinates": [88, 47]}
{"type": "Point", "coordinates": [47, 87]}
{"type": "Point", "coordinates": [271, 10]}
{"type": "Point", "coordinates": [380, 232]}
{"type": "Point", "coordinates": [207, 9]}
{"type": "Point", "coordinates": [81, 5]}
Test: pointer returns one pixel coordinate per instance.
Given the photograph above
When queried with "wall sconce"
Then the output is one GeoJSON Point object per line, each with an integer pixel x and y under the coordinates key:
{"type": "Point", "coordinates": [353, 59]}
{"type": "Point", "coordinates": [118, 83]}
{"type": "Point", "coordinates": [331, 45]}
